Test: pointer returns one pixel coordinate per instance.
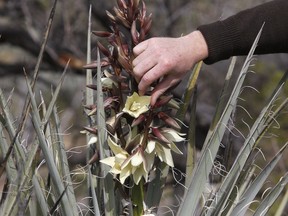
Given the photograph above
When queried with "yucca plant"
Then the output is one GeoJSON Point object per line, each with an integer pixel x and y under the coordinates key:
{"type": "Point", "coordinates": [139, 136]}
{"type": "Point", "coordinates": [130, 143]}
{"type": "Point", "coordinates": [26, 191]}
{"type": "Point", "coordinates": [135, 130]}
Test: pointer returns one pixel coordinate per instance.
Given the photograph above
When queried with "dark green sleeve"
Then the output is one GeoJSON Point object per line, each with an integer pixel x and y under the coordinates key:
{"type": "Point", "coordinates": [235, 35]}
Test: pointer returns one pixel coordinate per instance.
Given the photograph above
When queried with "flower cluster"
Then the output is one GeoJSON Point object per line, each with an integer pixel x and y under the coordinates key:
{"type": "Point", "coordinates": [138, 155]}
{"type": "Point", "coordinates": [129, 16]}
{"type": "Point", "coordinates": [138, 134]}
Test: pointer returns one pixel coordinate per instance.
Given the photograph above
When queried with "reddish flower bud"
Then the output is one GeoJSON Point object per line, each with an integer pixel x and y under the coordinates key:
{"type": "Point", "coordinates": [102, 33]}
{"type": "Point", "coordinates": [135, 4]}
{"type": "Point", "coordinates": [103, 49]}
{"type": "Point", "coordinates": [143, 11]}
{"type": "Point", "coordinates": [104, 62]}
{"type": "Point", "coordinates": [134, 33]}
{"type": "Point", "coordinates": [159, 135]}
{"type": "Point", "coordinates": [147, 24]}
{"type": "Point", "coordinates": [94, 158]}
{"type": "Point", "coordinates": [120, 17]}
{"type": "Point", "coordinates": [142, 35]}
{"type": "Point", "coordinates": [111, 17]}
{"type": "Point", "coordinates": [163, 100]}
{"type": "Point", "coordinates": [91, 130]}
{"type": "Point", "coordinates": [121, 4]}
{"type": "Point", "coordinates": [168, 120]}
{"type": "Point", "coordinates": [109, 101]}
{"type": "Point", "coordinates": [92, 86]}
{"type": "Point", "coordinates": [125, 49]}
{"type": "Point", "coordinates": [122, 59]}
{"type": "Point", "coordinates": [138, 120]}
{"type": "Point", "coordinates": [130, 14]}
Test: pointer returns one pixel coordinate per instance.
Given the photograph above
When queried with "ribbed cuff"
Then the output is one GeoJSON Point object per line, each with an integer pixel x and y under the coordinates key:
{"type": "Point", "coordinates": [222, 38]}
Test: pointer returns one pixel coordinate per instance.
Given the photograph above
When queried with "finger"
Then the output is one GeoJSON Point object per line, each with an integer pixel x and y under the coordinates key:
{"type": "Point", "coordinates": [148, 78]}
{"type": "Point", "coordinates": [143, 66]}
{"type": "Point", "coordinates": [140, 47]}
{"type": "Point", "coordinates": [141, 56]}
{"type": "Point", "coordinates": [167, 83]}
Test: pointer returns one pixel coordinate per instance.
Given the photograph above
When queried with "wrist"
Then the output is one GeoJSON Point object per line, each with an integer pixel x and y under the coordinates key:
{"type": "Point", "coordinates": [199, 48]}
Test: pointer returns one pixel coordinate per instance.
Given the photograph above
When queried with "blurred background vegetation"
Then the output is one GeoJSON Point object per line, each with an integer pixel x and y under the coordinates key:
{"type": "Point", "coordinates": [22, 24]}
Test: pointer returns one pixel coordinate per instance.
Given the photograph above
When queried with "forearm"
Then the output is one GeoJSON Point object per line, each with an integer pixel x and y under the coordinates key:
{"type": "Point", "coordinates": [235, 35]}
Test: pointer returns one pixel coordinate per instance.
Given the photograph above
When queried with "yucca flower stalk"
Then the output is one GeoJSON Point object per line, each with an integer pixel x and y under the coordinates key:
{"type": "Point", "coordinates": [133, 141]}
{"type": "Point", "coordinates": [140, 138]}
{"type": "Point", "coordinates": [139, 135]}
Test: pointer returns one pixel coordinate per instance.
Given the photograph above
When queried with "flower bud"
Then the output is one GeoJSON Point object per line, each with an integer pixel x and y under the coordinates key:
{"type": "Point", "coordinates": [138, 120]}
{"type": "Point", "coordinates": [103, 49]}
{"type": "Point", "coordinates": [147, 24]}
{"type": "Point", "coordinates": [162, 101]}
{"type": "Point", "coordinates": [121, 4]}
{"type": "Point", "coordinates": [168, 120]}
{"type": "Point", "coordinates": [92, 86]}
{"type": "Point", "coordinates": [134, 33]}
{"type": "Point", "coordinates": [93, 65]}
{"type": "Point", "coordinates": [102, 33]}
{"type": "Point", "coordinates": [94, 158]}
{"type": "Point", "coordinates": [159, 135]}
{"type": "Point", "coordinates": [91, 130]}
{"type": "Point", "coordinates": [111, 17]}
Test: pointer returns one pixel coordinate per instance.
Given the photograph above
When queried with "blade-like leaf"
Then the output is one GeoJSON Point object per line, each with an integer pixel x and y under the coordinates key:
{"type": "Point", "coordinates": [224, 93]}
{"type": "Point", "coordinates": [9, 164]}
{"type": "Point", "coordinates": [137, 197]}
{"type": "Point", "coordinates": [189, 91]}
{"type": "Point", "coordinates": [282, 206]}
{"type": "Point", "coordinates": [90, 100]}
{"type": "Point", "coordinates": [59, 187]}
{"type": "Point", "coordinates": [156, 186]}
{"type": "Point", "coordinates": [57, 202]}
{"type": "Point", "coordinates": [40, 196]}
{"type": "Point", "coordinates": [108, 190]}
{"type": "Point", "coordinates": [20, 156]}
{"type": "Point", "coordinates": [89, 77]}
{"type": "Point", "coordinates": [260, 125]}
{"type": "Point", "coordinates": [63, 160]}
{"type": "Point", "coordinates": [43, 44]}
{"type": "Point", "coordinates": [254, 188]}
{"type": "Point", "coordinates": [213, 140]}
{"type": "Point", "coordinates": [10, 201]}
{"type": "Point", "coordinates": [272, 196]}
{"type": "Point", "coordinates": [55, 96]}
{"type": "Point", "coordinates": [191, 145]}
{"type": "Point", "coordinates": [94, 196]}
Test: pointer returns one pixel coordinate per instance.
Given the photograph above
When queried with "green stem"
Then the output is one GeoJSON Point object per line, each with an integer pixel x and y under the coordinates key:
{"type": "Point", "coordinates": [137, 199]}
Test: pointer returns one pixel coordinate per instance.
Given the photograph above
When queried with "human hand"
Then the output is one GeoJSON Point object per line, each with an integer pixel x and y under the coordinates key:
{"type": "Point", "coordinates": [168, 59]}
